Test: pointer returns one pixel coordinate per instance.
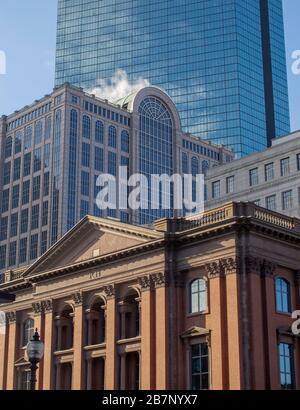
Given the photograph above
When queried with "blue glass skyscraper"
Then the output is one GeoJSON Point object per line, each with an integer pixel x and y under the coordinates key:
{"type": "Point", "coordinates": [221, 61]}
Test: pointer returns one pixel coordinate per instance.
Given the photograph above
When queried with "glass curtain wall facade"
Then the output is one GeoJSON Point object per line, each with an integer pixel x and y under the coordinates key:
{"type": "Point", "coordinates": [221, 61]}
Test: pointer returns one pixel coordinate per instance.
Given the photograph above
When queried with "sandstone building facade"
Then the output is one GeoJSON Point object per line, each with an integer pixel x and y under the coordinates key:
{"type": "Point", "coordinates": [187, 304]}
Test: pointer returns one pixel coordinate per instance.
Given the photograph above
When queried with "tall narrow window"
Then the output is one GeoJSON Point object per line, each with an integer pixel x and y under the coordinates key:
{"type": "Point", "coordinates": [253, 177]}
{"type": "Point", "coordinates": [86, 127]}
{"type": "Point", "coordinates": [283, 297]}
{"type": "Point", "coordinates": [99, 132]}
{"type": "Point", "coordinates": [198, 296]}
{"type": "Point", "coordinates": [286, 362]}
{"type": "Point", "coordinates": [230, 185]}
{"type": "Point", "coordinates": [28, 330]}
{"type": "Point", "coordinates": [216, 189]}
{"type": "Point", "coordinates": [112, 137]}
{"type": "Point", "coordinates": [125, 141]}
{"type": "Point", "coordinates": [285, 166]}
{"type": "Point", "coordinates": [199, 366]}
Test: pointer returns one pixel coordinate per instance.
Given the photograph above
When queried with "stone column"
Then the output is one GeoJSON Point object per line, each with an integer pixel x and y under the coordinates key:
{"type": "Point", "coordinates": [147, 356]}
{"type": "Point", "coordinates": [78, 368]}
{"type": "Point", "coordinates": [123, 371]}
{"type": "Point", "coordinates": [49, 344]}
{"type": "Point", "coordinates": [38, 324]}
{"type": "Point", "coordinates": [12, 345]}
{"type": "Point", "coordinates": [89, 375]}
{"type": "Point", "coordinates": [58, 376]}
{"type": "Point", "coordinates": [217, 321]}
{"type": "Point", "coordinates": [111, 326]}
{"type": "Point", "coordinates": [161, 330]}
{"type": "Point", "coordinates": [233, 326]}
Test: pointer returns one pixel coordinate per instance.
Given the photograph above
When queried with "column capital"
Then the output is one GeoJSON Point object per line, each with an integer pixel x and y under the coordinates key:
{"type": "Point", "coordinates": [268, 268]}
{"type": "Point", "coordinates": [214, 269]}
{"type": "Point", "coordinates": [160, 279]}
{"type": "Point", "coordinates": [77, 298]}
{"type": "Point", "coordinates": [37, 308]}
{"type": "Point", "coordinates": [254, 264]}
{"type": "Point", "coordinates": [11, 317]}
{"type": "Point", "coordinates": [231, 265]}
{"type": "Point", "coordinates": [109, 291]}
{"type": "Point", "coordinates": [47, 305]}
{"type": "Point", "coordinates": [145, 282]}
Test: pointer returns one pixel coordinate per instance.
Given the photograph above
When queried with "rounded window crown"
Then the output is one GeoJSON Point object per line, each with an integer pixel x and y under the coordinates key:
{"type": "Point", "coordinates": [152, 107]}
{"type": "Point", "coordinates": [198, 296]}
{"type": "Point", "coordinates": [283, 295]}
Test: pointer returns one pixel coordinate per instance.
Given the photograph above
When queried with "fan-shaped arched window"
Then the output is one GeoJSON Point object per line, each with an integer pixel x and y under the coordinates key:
{"type": "Point", "coordinates": [112, 137]}
{"type": "Point", "coordinates": [86, 127]}
{"type": "Point", "coordinates": [125, 141]}
{"type": "Point", "coordinates": [99, 132]}
{"type": "Point", "coordinates": [198, 296]}
{"type": "Point", "coordinates": [28, 330]}
{"type": "Point", "coordinates": [283, 297]}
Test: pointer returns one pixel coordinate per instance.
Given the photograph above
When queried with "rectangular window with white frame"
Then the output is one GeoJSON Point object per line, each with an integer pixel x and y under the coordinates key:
{"type": "Point", "coordinates": [286, 364]}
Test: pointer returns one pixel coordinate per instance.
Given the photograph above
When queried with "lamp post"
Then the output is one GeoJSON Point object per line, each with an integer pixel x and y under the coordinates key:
{"type": "Point", "coordinates": [35, 352]}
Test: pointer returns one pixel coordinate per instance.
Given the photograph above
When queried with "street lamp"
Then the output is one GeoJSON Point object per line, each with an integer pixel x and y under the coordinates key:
{"type": "Point", "coordinates": [35, 352]}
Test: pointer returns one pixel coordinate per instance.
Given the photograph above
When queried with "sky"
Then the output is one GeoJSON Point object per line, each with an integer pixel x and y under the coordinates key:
{"type": "Point", "coordinates": [27, 37]}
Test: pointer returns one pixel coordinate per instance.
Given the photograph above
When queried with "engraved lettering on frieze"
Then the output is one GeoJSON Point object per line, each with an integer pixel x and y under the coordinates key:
{"type": "Point", "coordinates": [95, 275]}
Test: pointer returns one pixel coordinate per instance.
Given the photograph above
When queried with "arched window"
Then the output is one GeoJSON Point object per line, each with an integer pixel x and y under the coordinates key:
{"type": "Point", "coordinates": [28, 330]}
{"type": "Point", "coordinates": [155, 156]}
{"type": "Point", "coordinates": [198, 296]}
{"type": "Point", "coordinates": [125, 141]}
{"type": "Point", "coordinates": [99, 132]}
{"type": "Point", "coordinates": [86, 127]}
{"type": "Point", "coordinates": [283, 297]}
{"type": "Point", "coordinates": [112, 137]}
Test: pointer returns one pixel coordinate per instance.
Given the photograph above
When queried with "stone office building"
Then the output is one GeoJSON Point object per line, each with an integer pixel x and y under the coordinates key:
{"type": "Point", "coordinates": [52, 152]}
{"type": "Point", "coordinates": [186, 304]}
{"type": "Point", "coordinates": [270, 179]}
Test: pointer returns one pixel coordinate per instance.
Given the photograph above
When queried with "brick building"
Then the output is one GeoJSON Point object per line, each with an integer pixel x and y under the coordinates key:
{"type": "Point", "coordinates": [202, 303]}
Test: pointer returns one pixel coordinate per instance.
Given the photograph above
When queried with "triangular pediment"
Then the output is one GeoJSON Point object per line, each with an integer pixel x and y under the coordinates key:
{"type": "Point", "coordinates": [195, 331]}
{"type": "Point", "coordinates": [92, 238]}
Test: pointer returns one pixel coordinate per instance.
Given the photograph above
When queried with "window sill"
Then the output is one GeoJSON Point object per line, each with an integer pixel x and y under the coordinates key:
{"type": "Point", "coordinates": [205, 312]}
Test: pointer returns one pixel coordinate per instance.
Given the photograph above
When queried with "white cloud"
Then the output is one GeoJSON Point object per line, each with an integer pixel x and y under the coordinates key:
{"type": "Point", "coordinates": [118, 86]}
